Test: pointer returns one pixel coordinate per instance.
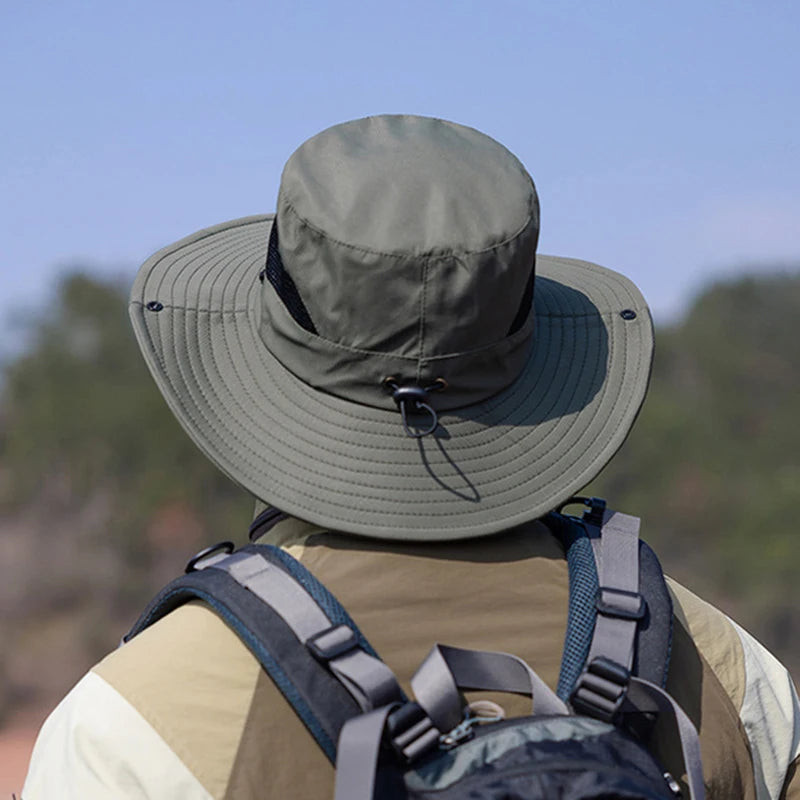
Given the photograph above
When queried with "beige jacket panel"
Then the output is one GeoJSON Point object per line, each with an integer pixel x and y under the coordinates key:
{"type": "Point", "coordinates": [758, 685]}
{"type": "Point", "coordinates": [193, 681]}
{"type": "Point", "coordinates": [769, 695]}
{"type": "Point", "coordinates": [96, 746]}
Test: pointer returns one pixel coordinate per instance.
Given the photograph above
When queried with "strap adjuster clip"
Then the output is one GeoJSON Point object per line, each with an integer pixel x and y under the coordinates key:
{"type": "Point", "coordinates": [411, 732]}
{"type": "Point", "coordinates": [619, 603]}
{"type": "Point", "coordinates": [601, 689]}
{"type": "Point", "coordinates": [332, 643]}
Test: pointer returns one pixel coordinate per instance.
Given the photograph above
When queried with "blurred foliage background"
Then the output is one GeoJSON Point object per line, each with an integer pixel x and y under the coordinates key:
{"type": "Point", "coordinates": [103, 497]}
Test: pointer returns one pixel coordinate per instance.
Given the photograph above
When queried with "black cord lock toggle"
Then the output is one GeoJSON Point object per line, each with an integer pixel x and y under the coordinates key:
{"type": "Point", "coordinates": [414, 400]}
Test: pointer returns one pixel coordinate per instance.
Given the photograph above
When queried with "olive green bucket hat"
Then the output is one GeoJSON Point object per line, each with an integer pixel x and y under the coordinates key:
{"type": "Point", "coordinates": [378, 357]}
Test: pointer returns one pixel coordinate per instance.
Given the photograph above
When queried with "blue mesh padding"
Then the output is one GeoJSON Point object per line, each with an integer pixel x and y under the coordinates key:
{"type": "Point", "coordinates": [583, 585]}
{"type": "Point", "coordinates": [333, 609]}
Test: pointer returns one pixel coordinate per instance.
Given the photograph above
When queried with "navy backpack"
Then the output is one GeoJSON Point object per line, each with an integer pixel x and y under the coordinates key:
{"type": "Point", "coordinates": [589, 739]}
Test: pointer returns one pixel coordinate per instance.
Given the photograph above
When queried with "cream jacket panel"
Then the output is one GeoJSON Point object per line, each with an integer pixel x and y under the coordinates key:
{"type": "Point", "coordinates": [770, 695]}
{"type": "Point", "coordinates": [757, 682]}
{"type": "Point", "coordinates": [96, 746]}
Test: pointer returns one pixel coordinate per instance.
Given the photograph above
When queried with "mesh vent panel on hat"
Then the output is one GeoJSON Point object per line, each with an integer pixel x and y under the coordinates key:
{"type": "Point", "coordinates": [283, 284]}
{"type": "Point", "coordinates": [524, 306]}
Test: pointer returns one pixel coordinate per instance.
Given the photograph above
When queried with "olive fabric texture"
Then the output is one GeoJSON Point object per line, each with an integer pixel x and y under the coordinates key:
{"type": "Point", "coordinates": [406, 246]}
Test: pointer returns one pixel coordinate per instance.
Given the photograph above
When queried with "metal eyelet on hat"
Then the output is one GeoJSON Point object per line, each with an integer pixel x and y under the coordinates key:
{"type": "Point", "coordinates": [628, 314]}
{"type": "Point", "coordinates": [411, 399]}
{"type": "Point", "coordinates": [154, 305]}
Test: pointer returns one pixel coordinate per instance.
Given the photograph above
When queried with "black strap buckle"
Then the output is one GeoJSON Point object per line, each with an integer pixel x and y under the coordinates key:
{"type": "Point", "coordinates": [618, 603]}
{"type": "Point", "coordinates": [594, 513]}
{"type": "Point", "coordinates": [411, 732]}
{"type": "Point", "coordinates": [595, 508]}
{"type": "Point", "coordinates": [601, 689]}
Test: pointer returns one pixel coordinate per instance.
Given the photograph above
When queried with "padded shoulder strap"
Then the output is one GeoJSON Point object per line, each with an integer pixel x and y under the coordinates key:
{"type": "Point", "coordinates": [298, 631]}
{"type": "Point", "coordinates": [653, 638]}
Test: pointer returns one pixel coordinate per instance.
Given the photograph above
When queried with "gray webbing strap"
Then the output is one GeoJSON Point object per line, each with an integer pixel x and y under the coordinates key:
{"type": "Point", "coordinates": [371, 683]}
{"type": "Point", "coordinates": [642, 695]}
{"type": "Point", "coordinates": [368, 679]}
{"type": "Point", "coordinates": [446, 670]}
{"type": "Point", "coordinates": [279, 590]}
{"type": "Point", "coordinates": [357, 755]}
{"type": "Point", "coordinates": [619, 603]}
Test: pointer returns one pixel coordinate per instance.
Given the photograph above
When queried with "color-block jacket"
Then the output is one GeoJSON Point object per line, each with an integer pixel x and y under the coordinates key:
{"type": "Point", "coordinates": [185, 711]}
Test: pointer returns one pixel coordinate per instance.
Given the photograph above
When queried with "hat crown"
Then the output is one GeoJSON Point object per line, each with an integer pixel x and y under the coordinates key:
{"type": "Point", "coordinates": [410, 244]}
{"type": "Point", "coordinates": [408, 186]}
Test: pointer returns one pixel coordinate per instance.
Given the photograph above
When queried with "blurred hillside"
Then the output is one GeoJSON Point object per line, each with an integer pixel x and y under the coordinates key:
{"type": "Point", "coordinates": [102, 496]}
{"type": "Point", "coordinates": [713, 463]}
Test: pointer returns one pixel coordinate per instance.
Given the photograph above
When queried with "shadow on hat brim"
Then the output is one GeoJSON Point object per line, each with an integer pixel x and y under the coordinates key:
{"type": "Point", "coordinates": [351, 467]}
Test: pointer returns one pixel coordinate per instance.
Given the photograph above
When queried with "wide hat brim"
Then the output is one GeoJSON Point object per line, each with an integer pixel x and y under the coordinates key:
{"type": "Point", "coordinates": [195, 308]}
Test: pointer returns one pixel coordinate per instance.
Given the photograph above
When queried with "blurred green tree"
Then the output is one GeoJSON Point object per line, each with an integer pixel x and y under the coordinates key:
{"type": "Point", "coordinates": [83, 415]}
{"type": "Point", "coordinates": [102, 496]}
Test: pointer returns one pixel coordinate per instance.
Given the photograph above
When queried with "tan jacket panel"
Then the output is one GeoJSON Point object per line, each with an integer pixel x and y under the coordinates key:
{"type": "Point", "coordinates": [715, 637]}
{"type": "Point", "coordinates": [192, 679]}
{"type": "Point", "coordinates": [727, 761]}
{"type": "Point", "coordinates": [791, 788]}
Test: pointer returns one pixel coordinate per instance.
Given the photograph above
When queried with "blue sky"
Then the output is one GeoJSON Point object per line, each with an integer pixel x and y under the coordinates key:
{"type": "Point", "coordinates": [662, 136]}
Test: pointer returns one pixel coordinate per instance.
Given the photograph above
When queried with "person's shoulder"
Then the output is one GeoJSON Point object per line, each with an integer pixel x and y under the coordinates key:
{"type": "Point", "coordinates": [96, 744]}
{"type": "Point", "coordinates": [758, 685]}
{"type": "Point", "coordinates": [146, 709]}
{"type": "Point", "coordinates": [717, 638]}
